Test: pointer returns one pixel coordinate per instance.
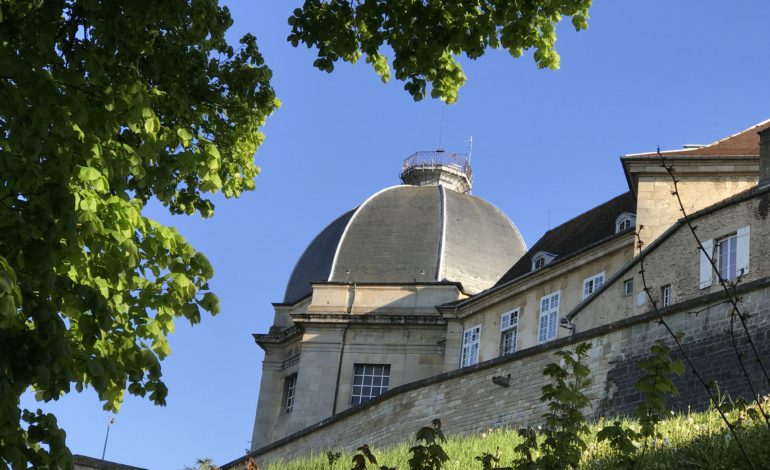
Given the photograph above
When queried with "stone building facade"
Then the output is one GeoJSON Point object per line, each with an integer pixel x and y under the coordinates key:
{"type": "Point", "coordinates": [374, 339]}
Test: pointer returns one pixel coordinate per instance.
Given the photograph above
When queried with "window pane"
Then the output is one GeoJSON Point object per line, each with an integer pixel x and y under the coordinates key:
{"type": "Point", "coordinates": [723, 259]}
{"type": "Point", "coordinates": [290, 387]}
{"type": "Point", "coordinates": [552, 326]}
{"type": "Point", "coordinates": [733, 257]}
{"type": "Point", "coordinates": [369, 381]}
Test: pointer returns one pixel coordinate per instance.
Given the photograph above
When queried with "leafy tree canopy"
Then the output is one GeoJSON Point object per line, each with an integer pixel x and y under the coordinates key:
{"type": "Point", "coordinates": [105, 104]}
{"type": "Point", "coordinates": [426, 36]}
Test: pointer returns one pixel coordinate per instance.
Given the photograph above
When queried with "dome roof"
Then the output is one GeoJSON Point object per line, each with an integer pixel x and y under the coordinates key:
{"type": "Point", "coordinates": [407, 234]}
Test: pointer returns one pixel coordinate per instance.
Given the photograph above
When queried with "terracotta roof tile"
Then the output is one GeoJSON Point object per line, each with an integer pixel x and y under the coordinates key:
{"type": "Point", "coordinates": [744, 143]}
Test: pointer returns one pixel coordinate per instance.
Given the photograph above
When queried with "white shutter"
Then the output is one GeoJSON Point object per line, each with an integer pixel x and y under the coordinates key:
{"type": "Point", "coordinates": [742, 257]}
{"type": "Point", "coordinates": [706, 269]}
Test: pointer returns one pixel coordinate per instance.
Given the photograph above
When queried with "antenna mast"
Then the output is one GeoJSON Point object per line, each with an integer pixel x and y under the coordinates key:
{"type": "Point", "coordinates": [441, 131]}
{"type": "Point", "coordinates": [470, 148]}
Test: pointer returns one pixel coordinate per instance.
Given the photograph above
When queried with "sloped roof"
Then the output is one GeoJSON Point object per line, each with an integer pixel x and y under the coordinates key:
{"type": "Point", "coordinates": [750, 193]}
{"type": "Point", "coordinates": [316, 261]}
{"type": "Point", "coordinates": [582, 231]}
{"type": "Point", "coordinates": [409, 234]}
{"type": "Point", "coordinates": [742, 144]}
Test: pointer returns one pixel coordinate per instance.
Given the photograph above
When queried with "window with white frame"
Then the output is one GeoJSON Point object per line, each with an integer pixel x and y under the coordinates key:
{"type": "Point", "coordinates": [549, 317]}
{"type": "Point", "coordinates": [730, 254]}
{"type": "Point", "coordinates": [726, 255]}
{"type": "Point", "coordinates": [541, 259]}
{"type": "Point", "coordinates": [624, 221]}
{"type": "Point", "coordinates": [509, 325]}
{"type": "Point", "coordinates": [369, 381]}
{"type": "Point", "coordinates": [471, 338]}
{"type": "Point", "coordinates": [628, 287]}
{"type": "Point", "coordinates": [290, 387]}
{"type": "Point", "coordinates": [665, 295]}
{"type": "Point", "coordinates": [591, 284]}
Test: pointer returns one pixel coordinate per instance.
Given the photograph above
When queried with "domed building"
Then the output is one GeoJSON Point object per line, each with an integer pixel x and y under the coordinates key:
{"type": "Point", "coordinates": [422, 303]}
{"type": "Point", "coordinates": [359, 313]}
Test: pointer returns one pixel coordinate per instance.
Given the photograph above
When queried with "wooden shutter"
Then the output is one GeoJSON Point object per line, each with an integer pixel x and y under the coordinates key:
{"type": "Point", "coordinates": [742, 255]}
{"type": "Point", "coordinates": [706, 270]}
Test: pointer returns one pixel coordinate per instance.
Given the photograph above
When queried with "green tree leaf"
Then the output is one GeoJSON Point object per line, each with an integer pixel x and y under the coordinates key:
{"type": "Point", "coordinates": [101, 106]}
{"type": "Point", "coordinates": [426, 38]}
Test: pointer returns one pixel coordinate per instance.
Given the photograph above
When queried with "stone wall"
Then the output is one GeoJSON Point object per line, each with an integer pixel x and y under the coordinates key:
{"type": "Point", "coordinates": [709, 344]}
{"type": "Point", "coordinates": [467, 401]}
{"type": "Point", "coordinates": [657, 209]}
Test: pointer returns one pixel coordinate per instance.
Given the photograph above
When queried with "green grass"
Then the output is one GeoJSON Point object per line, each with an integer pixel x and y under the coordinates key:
{"type": "Point", "coordinates": [690, 441]}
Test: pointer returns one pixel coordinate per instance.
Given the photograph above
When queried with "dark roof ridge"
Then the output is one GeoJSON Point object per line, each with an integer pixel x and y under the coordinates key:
{"type": "Point", "coordinates": [506, 280]}
{"type": "Point", "coordinates": [555, 263]}
{"type": "Point", "coordinates": [586, 212]}
{"type": "Point", "coordinates": [576, 234]}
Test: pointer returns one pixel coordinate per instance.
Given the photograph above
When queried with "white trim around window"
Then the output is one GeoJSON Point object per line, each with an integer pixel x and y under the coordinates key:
{"type": "Point", "coordinates": [628, 287]}
{"type": "Point", "coordinates": [471, 340]}
{"type": "Point", "coordinates": [509, 326]}
{"type": "Point", "coordinates": [625, 221]}
{"type": "Point", "coordinates": [591, 284]}
{"type": "Point", "coordinates": [369, 381]}
{"type": "Point", "coordinates": [549, 317]}
{"type": "Point", "coordinates": [730, 254]}
{"type": "Point", "coordinates": [541, 259]}
{"type": "Point", "coordinates": [290, 391]}
{"type": "Point", "coordinates": [665, 295]}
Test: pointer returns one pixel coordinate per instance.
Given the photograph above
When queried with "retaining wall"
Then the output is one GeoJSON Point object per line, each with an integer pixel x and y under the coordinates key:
{"type": "Point", "coordinates": [467, 401]}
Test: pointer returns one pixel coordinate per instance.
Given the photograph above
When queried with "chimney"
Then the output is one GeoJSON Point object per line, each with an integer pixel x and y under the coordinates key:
{"type": "Point", "coordinates": [764, 157]}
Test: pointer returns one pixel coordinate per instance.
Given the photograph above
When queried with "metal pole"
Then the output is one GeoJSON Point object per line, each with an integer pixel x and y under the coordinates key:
{"type": "Point", "coordinates": [107, 436]}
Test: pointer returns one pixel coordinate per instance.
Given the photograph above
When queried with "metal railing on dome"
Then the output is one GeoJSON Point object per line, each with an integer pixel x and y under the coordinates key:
{"type": "Point", "coordinates": [437, 158]}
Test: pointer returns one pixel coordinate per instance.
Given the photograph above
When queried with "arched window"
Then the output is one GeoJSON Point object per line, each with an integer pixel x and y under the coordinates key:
{"type": "Point", "coordinates": [624, 222]}
{"type": "Point", "coordinates": [541, 259]}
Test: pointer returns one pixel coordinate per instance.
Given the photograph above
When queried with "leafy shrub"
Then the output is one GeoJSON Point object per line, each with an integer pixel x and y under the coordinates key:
{"type": "Point", "coordinates": [564, 422]}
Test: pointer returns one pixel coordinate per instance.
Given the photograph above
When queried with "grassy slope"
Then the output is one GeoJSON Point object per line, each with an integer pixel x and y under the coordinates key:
{"type": "Point", "coordinates": [697, 440]}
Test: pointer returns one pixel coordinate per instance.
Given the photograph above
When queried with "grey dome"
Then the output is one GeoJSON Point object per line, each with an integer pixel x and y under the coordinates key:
{"type": "Point", "coordinates": [406, 234]}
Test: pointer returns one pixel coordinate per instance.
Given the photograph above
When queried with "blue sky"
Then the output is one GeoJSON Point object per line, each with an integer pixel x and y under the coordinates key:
{"type": "Point", "coordinates": [546, 148]}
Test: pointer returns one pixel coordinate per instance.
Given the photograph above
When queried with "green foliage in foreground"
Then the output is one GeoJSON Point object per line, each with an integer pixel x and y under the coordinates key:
{"type": "Point", "coordinates": [105, 106]}
{"type": "Point", "coordinates": [425, 38]}
{"type": "Point", "coordinates": [697, 440]}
